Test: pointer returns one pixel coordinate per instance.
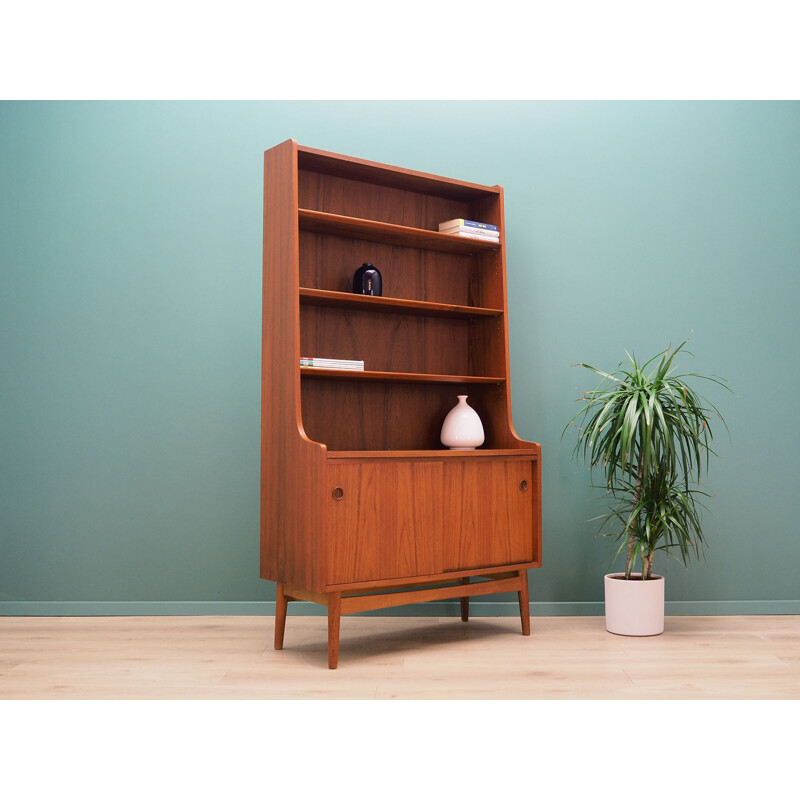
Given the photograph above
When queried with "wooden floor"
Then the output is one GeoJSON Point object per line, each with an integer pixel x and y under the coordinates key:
{"type": "Point", "coordinates": [397, 658]}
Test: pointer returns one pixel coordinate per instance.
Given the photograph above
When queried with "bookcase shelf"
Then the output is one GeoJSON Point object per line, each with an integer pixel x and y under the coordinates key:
{"type": "Point", "coordinates": [403, 377]}
{"type": "Point", "coordinates": [438, 455]}
{"type": "Point", "coordinates": [323, 297]}
{"type": "Point", "coordinates": [388, 233]}
{"type": "Point", "coordinates": [358, 494]}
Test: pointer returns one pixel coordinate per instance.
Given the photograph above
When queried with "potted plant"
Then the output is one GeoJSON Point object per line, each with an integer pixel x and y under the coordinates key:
{"type": "Point", "coordinates": [649, 433]}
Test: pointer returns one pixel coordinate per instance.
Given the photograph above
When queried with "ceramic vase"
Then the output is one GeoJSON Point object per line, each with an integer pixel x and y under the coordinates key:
{"type": "Point", "coordinates": [367, 280]}
{"type": "Point", "coordinates": [634, 607]}
{"type": "Point", "coordinates": [462, 428]}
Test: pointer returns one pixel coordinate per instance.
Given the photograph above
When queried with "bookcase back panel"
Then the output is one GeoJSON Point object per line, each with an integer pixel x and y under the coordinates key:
{"type": "Point", "coordinates": [329, 262]}
{"type": "Point", "coordinates": [386, 342]}
{"type": "Point", "coordinates": [319, 161]}
{"type": "Point", "coordinates": [486, 351]}
{"type": "Point", "coordinates": [488, 287]}
{"type": "Point", "coordinates": [360, 415]}
{"type": "Point", "coordinates": [352, 198]}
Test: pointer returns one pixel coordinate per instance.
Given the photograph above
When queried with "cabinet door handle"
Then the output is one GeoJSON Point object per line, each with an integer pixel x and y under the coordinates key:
{"type": "Point", "coordinates": [523, 486]}
{"type": "Point", "coordinates": [338, 493]}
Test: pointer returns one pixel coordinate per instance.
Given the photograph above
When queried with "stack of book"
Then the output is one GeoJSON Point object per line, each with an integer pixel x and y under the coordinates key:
{"type": "Point", "coordinates": [331, 363]}
{"type": "Point", "coordinates": [470, 229]}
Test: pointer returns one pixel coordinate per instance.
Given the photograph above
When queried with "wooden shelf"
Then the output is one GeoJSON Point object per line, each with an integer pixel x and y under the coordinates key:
{"type": "Point", "coordinates": [349, 455]}
{"type": "Point", "coordinates": [402, 377]}
{"type": "Point", "coordinates": [386, 233]}
{"type": "Point", "coordinates": [323, 297]}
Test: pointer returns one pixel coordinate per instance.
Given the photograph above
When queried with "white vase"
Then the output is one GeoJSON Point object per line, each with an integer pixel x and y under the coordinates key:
{"type": "Point", "coordinates": [634, 607]}
{"type": "Point", "coordinates": [462, 428]}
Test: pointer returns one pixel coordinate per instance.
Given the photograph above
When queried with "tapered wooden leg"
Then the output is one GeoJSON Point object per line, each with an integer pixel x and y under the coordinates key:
{"type": "Point", "coordinates": [465, 604]}
{"type": "Point", "coordinates": [524, 605]}
{"type": "Point", "coordinates": [334, 615]}
{"type": "Point", "coordinates": [280, 617]}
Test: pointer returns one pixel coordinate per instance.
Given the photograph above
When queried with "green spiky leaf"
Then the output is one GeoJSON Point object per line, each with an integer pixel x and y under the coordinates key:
{"type": "Point", "coordinates": [650, 435]}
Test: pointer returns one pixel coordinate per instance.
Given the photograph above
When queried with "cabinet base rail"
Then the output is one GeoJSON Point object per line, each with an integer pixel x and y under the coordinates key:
{"type": "Point", "coordinates": [351, 601]}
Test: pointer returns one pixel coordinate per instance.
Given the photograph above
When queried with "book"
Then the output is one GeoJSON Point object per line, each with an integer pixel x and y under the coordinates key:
{"type": "Point", "coordinates": [331, 363]}
{"type": "Point", "coordinates": [468, 223]}
{"type": "Point", "coordinates": [477, 235]}
{"type": "Point", "coordinates": [338, 369]}
{"type": "Point", "coordinates": [468, 229]}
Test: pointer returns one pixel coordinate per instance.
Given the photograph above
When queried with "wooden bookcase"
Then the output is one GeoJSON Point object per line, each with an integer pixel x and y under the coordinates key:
{"type": "Point", "coordinates": [361, 506]}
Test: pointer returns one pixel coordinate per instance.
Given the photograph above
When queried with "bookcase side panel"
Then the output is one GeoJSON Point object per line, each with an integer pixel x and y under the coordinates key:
{"type": "Point", "coordinates": [290, 463]}
{"type": "Point", "coordinates": [536, 489]}
{"type": "Point", "coordinates": [489, 286]}
{"type": "Point", "coordinates": [498, 206]}
{"type": "Point", "coordinates": [491, 289]}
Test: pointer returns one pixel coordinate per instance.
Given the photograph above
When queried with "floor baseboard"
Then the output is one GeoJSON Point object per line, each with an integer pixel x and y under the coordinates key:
{"type": "Point", "coordinates": [436, 609]}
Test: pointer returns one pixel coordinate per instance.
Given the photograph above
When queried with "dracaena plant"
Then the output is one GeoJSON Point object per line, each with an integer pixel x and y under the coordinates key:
{"type": "Point", "coordinates": [648, 432]}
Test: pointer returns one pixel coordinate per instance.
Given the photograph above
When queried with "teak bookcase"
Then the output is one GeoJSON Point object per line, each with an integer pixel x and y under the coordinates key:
{"type": "Point", "coordinates": [361, 506]}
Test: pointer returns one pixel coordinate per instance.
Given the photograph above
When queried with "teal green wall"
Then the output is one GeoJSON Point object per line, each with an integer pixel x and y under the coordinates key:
{"type": "Point", "coordinates": [130, 247]}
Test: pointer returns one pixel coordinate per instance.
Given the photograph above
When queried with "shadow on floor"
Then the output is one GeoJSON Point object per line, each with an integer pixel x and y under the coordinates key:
{"type": "Point", "coordinates": [355, 646]}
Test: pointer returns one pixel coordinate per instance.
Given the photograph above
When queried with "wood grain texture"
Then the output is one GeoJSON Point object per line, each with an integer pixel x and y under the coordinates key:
{"type": "Point", "coordinates": [401, 519]}
{"type": "Point", "coordinates": [334, 622]}
{"type": "Point", "coordinates": [351, 414]}
{"type": "Point", "coordinates": [384, 525]}
{"type": "Point", "coordinates": [281, 603]}
{"type": "Point", "coordinates": [328, 262]}
{"type": "Point", "coordinates": [332, 522]}
{"type": "Point", "coordinates": [391, 658]}
{"type": "Point", "coordinates": [372, 172]}
{"type": "Point", "coordinates": [290, 530]}
{"type": "Point", "coordinates": [388, 342]}
{"type": "Point", "coordinates": [393, 376]}
{"type": "Point", "coordinates": [345, 300]}
{"type": "Point", "coordinates": [524, 604]}
{"type": "Point", "coordinates": [497, 294]}
{"type": "Point", "coordinates": [436, 579]}
{"type": "Point", "coordinates": [520, 454]}
{"type": "Point", "coordinates": [388, 233]}
{"type": "Point", "coordinates": [491, 518]}
{"type": "Point", "coordinates": [389, 599]}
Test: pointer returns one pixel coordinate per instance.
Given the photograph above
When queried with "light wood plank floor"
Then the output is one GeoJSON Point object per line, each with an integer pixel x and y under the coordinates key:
{"type": "Point", "coordinates": [396, 658]}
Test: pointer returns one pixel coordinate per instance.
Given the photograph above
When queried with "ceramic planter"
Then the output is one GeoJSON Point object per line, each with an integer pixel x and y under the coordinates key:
{"type": "Point", "coordinates": [634, 607]}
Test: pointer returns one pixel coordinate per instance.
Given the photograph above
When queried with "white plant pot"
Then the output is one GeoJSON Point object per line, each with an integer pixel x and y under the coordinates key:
{"type": "Point", "coordinates": [462, 428]}
{"type": "Point", "coordinates": [634, 607]}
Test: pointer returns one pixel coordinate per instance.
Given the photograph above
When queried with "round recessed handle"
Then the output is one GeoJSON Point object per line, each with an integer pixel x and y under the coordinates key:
{"type": "Point", "coordinates": [338, 493]}
{"type": "Point", "coordinates": [523, 486]}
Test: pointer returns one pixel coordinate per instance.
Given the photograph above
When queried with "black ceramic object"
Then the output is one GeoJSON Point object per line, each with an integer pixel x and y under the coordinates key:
{"type": "Point", "coordinates": [367, 280]}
